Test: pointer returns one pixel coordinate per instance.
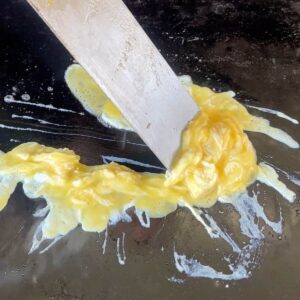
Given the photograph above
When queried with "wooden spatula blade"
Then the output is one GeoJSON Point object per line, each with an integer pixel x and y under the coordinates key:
{"type": "Point", "coordinates": [107, 41]}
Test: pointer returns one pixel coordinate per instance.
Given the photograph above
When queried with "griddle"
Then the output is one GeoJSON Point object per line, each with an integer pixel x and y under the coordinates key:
{"type": "Point", "coordinates": [251, 47]}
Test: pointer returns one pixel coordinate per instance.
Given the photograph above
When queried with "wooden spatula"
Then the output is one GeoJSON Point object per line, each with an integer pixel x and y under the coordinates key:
{"type": "Point", "coordinates": [108, 42]}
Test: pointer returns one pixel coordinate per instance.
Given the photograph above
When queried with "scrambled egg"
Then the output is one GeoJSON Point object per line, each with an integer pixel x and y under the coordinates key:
{"type": "Point", "coordinates": [93, 99]}
{"type": "Point", "coordinates": [216, 160]}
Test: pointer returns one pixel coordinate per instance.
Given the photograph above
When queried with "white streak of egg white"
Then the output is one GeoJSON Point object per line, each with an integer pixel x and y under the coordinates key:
{"type": "Point", "coordinates": [14, 116]}
{"type": "Point", "coordinates": [268, 176]}
{"type": "Point", "coordinates": [289, 176]}
{"type": "Point", "coordinates": [10, 99]}
{"type": "Point", "coordinates": [107, 159]}
{"type": "Point", "coordinates": [14, 141]}
{"type": "Point", "coordinates": [140, 215]}
{"type": "Point", "coordinates": [175, 280]}
{"type": "Point", "coordinates": [192, 40]}
{"type": "Point", "coordinates": [59, 133]}
{"type": "Point", "coordinates": [240, 268]}
{"type": "Point", "coordinates": [37, 238]}
{"type": "Point", "coordinates": [198, 217]}
{"type": "Point", "coordinates": [193, 268]}
{"type": "Point", "coordinates": [121, 124]}
{"type": "Point", "coordinates": [52, 243]}
{"type": "Point", "coordinates": [263, 126]}
{"type": "Point", "coordinates": [275, 112]}
{"type": "Point", "coordinates": [217, 232]}
{"type": "Point", "coordinates": [231, 94]}
{"type": "Point", "coordinates": [104, 242]}
{"type": "Point", "coordinates": [121, 258]}
{"type": "Point", "coordinates": [117, 216]}
{"type": "Point", "coordinates": [42, 212]}
{"type": "Point", "coordinates": [250, 212]}
{"type": "Point", "coordinates": [135, 144]}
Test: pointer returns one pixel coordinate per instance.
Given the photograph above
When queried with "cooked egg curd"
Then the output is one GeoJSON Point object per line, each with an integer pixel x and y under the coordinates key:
{"type": "Point", "coordinates": [93, 99]}
{"type": "Point", "coordinates": [216, 160]}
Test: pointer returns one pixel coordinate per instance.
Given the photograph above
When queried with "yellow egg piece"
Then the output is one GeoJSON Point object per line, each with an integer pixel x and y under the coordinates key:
{"type": "Point", "coordinates": [93, 99]}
